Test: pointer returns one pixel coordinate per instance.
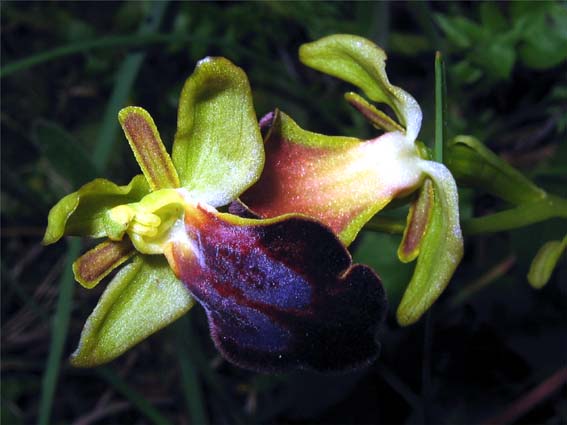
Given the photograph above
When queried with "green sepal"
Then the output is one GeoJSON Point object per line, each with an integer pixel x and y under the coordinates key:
{"type": "Point", "coordinates": [149, 151]}
{"type": "Point", "coordinates": [83, 213]}
{"type": "Point", "coordinates": [441, 249]}
{"type": "Point", "coordinates": [473, 164]}
{"type": "Point", "coordinates": [143, 297]}
{"type": "Point", "coordinates": [218, 150]}
{"type": "Point", "coordinates": [362, 63]}
{"type": "Point", "coordinates": [545, 261]}
{"type": "Point", "coordinates": [97, 263]}
{"type": "Point", "coordinates": [417, 222]}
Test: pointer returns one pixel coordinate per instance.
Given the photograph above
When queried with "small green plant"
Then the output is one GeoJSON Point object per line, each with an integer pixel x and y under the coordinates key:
{"type": "Point", "coordinates": [531, 32]}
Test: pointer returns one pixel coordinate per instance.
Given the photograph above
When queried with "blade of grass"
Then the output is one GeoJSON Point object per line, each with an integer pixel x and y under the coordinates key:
{"type": "Point", "coordinates": [59, 334]}
{"type": "Point", "coordinates": [192, 390]}
{"type": "Point", "coordinates": [66, 284]}
{"type": "Point", "coordinates": [440, 109]}
{"type": "Point", "coordinates": [83, 46]}
{"type": "Point", "coordinates": [213, 381]}
{"type": "Point", "coordinates": [126, 76]}
{"type": "Point", "coordinates": [125, 41]}
{"type": "Point", "coordinates": [136, 398]}
{"type": "Point", "coordinates": [423, 16]}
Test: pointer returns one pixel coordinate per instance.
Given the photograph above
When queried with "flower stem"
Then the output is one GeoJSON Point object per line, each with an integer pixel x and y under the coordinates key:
{"type": "Point", "coordinates": [514, 218]}
{"type": "Point", "coordinates": [520, 216]}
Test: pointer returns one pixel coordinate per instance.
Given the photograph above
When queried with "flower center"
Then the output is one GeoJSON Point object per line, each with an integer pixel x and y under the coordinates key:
{"type": "Point", "coordinates": [149, 222]}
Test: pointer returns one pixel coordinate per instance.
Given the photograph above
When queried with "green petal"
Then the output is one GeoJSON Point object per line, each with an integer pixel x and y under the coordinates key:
{"type": "Point", "coordinates": [145, 141]}
{"type": "Point", "coordinates": [83, 213]}
{"type": "Point", "coordinates": [218, 149]}
{"type": "Point", "coordinates": [545, 261]}
{"type": "Point", "coordinates": [441, 249]}
{"type": "Point", "coordinates": [376, 117]}
{"type": "Point", "coordinates": [95, 264]}
{"type": "Point", "coordinates": [362, 63]}
{"type": "Point", "coordinates": [472, 163]}
{"type": "Point", "coordinates": [144, 297]}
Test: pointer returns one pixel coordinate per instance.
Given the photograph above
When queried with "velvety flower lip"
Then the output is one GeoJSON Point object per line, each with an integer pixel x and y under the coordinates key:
{"type": "Point", "coordinates": [281, 293]}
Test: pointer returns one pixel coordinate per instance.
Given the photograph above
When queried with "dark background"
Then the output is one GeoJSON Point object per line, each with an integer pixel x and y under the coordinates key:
{"type": "Point", "coordinates": [487, 342]}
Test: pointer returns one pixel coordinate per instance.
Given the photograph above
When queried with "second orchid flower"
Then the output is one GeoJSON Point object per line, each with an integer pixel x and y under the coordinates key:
{"type": "Point", "coordinates": [344, 181]}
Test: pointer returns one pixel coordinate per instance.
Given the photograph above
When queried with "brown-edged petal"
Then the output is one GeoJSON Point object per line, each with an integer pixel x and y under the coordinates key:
{"type": "Point", "coordinates": [417, 221]}
{"type": "Point", "coordinates": [95, 264]}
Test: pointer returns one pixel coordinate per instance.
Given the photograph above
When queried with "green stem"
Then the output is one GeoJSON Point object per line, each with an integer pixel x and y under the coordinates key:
{"type": "Point", "coordinates": [483, 281]}
{"type": "Point", "coordinates": [440, 109]}
{"type": "Point", "coordinates": [135, 398]}
{"type": "Point", "coordinates": [184, 339]}
{"type": "Point", "coordinates": [60, 327]}
{"type": "Point", "coordinates": [523, 215]}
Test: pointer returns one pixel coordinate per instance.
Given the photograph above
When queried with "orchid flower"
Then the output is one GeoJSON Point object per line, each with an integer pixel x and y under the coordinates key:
{"type": "Point", "coordinates": [345, 181]}
{"type": "Point", "coordinates": [279, 293]}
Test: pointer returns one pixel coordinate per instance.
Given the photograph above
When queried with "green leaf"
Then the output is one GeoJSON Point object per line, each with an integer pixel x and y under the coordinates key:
{"type": "Point", "coordinates": [545, 261]}
{"type": "Point", "coordinates": [545, 37]}
{"type": "Point", "coordinates": [453, 31]}
{"type": "Point", "coordinates": [150, 153]}
{"type": "Point", "coordinates": [218, 149]}
{"type": "Point", "coordinates": [143, 297]}
{"type": "Point", "coordinates": [408, 44]}
{"type": "Point", "coordinates": [496, 58]}
{"type": "Point", "coordinates": [83, 212]}
{"type": "Point", "coordinates": [491, 17]}
{"type": "Point", "coordinates": [465, 72]}
{"type": "Point", "coordinates": [441, 249]}
{"type": "Point", "coordinates": [473, 164]}
{"type": "Point", "coordinates": [64, 153]}
{"type": "Point", "coordinates": [550, 51]}
{"type": "Point", "coordinates": [362, 63]}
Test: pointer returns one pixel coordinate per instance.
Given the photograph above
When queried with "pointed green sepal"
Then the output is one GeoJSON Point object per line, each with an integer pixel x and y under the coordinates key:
{"type": "Point", "coordinates": [94, 265]}
{"type": "Point", "coordinates": [83, 213]}
{"type": "Point", "coordinates": [418, 219]}
{"type": "Point", "coordinates": [144, 297]}
{"type": "Point", "coordinates": [441, 249]}
{"type": "Point", "coordinates": [362, 63]}
{"type": "Point", "coordinates": [145, 141]}
{"type": "Point", "coordinates": [473, 164]}
{"type": "Point", "coordinates": [218, 149]}
{"type": "Point", "coordinates": [545, 261]}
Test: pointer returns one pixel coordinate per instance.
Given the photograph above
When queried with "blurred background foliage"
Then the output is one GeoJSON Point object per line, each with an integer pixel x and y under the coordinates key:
{"type": "Point", "coordinates": [68, 67]}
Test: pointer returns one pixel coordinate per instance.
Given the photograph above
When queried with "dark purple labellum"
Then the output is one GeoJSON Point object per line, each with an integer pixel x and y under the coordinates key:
{"type": "Point", "coordinates": [282, 295]}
